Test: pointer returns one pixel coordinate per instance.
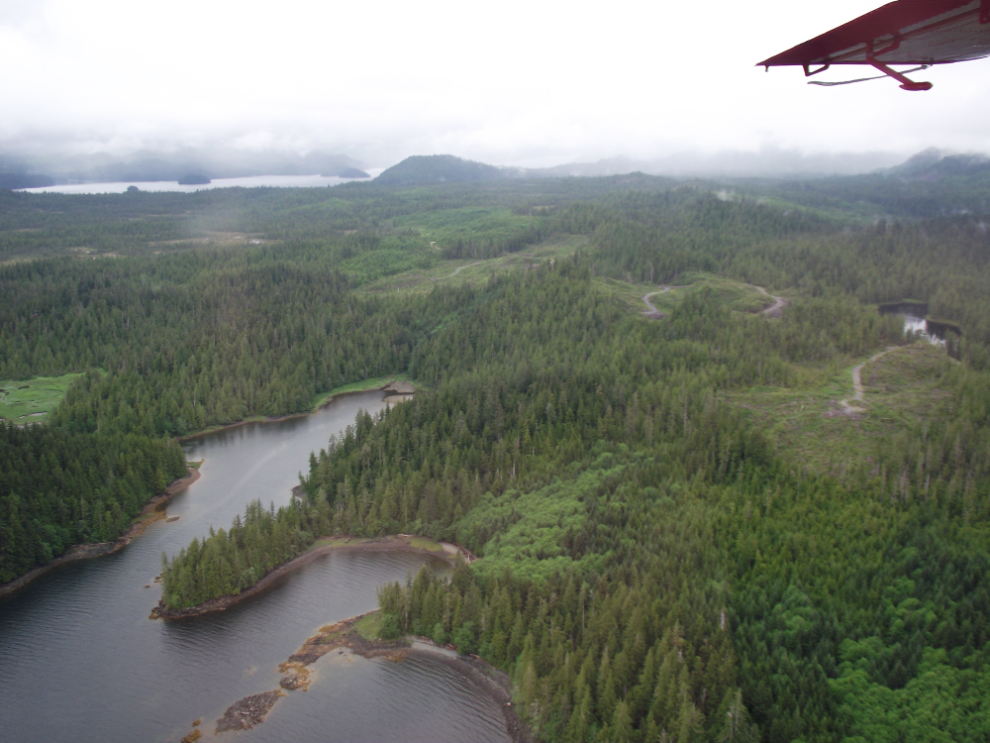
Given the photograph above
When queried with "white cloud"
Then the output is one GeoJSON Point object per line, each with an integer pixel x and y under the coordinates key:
{"type": "Point", "coordinates": [513, 82]}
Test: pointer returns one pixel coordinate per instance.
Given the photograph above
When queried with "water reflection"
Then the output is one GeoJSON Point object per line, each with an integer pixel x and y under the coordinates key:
{"type": "Point", "coordinates": [916, 324]}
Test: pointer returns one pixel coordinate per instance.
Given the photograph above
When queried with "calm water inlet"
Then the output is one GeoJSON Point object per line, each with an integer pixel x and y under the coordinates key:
{"type": "Point", "coordinates": [80, 660]}
{"type": "Point", "coordinates": [917, 324]}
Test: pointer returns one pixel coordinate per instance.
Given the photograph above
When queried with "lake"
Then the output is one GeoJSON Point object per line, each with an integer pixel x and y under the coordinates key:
{"type": "Point", "coordinates": [277, 181]}
{"type": "Point", "coordinates": [81, 661]}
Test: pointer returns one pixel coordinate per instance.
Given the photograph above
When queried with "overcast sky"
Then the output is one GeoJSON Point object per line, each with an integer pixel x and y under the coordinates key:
{"type": "Point", "coordinates": [513, 83]}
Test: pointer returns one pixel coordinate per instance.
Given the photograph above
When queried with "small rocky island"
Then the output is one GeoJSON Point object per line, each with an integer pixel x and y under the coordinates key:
{"type": "Point", "coordinates": [357, 635]}
{"type": "Point", "coordinates": [248, 712]}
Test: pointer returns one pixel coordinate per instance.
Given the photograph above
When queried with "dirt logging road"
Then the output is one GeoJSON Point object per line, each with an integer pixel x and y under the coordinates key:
{"type": "Point", "coordinates": [774, 310]}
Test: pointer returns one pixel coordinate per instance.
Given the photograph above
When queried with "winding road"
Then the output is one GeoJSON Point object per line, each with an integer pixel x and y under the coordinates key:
{"type": "Point", "coordinates": [458, 270]}
{"type": "Point", "coordinates": [775, 310]}
{"type": "Point", "coordinates": [653, 313]}
{"type": "Point", "coordinates": [858, 389]}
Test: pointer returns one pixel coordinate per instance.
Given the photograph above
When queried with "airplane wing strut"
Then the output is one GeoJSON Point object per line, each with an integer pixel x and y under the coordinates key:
{"type": "Point", "coordinates": [903, 32]}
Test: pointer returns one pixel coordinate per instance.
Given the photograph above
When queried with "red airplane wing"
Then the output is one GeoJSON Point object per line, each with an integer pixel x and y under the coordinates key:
{"type": "Point", "coordinates": [914, 32]}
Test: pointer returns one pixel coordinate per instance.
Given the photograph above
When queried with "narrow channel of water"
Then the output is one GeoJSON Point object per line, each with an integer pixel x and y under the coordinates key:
{"type": "Point", "coordinates": [80, 660]}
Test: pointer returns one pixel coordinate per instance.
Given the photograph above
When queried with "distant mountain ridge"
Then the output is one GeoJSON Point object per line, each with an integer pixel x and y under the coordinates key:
{"type": "Point", "coordinates": [421, 170]}
{"type": "Point", "coordinates": [14, 181]}
{"type": "Point", "coordinates": [433, 169]}
{"type": "Point", "coordinates": [211, 164]}
{"type": "Point", "coordinates": [934, 164]}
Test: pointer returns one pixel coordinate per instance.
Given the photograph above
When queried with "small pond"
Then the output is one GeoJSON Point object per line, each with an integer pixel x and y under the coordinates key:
{"type": "Point", "coordinates": [917, 323]}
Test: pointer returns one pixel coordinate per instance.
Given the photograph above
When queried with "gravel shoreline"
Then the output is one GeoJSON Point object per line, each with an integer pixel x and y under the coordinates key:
{"type": "Point", "coordinates": [251, 711]}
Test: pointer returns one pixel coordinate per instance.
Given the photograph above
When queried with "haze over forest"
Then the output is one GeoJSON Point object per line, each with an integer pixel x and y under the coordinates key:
{"type": "Point", "coordinates": [148, 165]}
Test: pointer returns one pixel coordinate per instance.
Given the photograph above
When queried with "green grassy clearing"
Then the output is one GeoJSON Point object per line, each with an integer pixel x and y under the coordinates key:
{"type": "Point", "coordinates": [631, 294]}
{"type": "Point", "coordinates": [537, 521]}
{"type": "Point", "coordinates": [422, 543]}
{"type": "Point", "coordinates": [901, 389]}
{"type": "Point", "coordinates": [337, 542]}
{"type": "Point", "coordinates": [418, 242]}
{"type": "Point", "coordinates": [33, 399]}
{"type": "Point", "coordinates": [476, 273]}
{"type": "Point", "coordinates": [393, 257]}
{"type": "Point", "coordinates": [734, 295]}
{"type": "Point", "coordinates": [474, 223]}
{"type": "Point", "coordinates": [908, 381]}
{"type": "Point", "coordinates": [370, 625]}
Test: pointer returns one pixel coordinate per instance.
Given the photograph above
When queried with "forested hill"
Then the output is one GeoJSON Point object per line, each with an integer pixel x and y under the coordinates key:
{"type": "Point", "coordinates": [24, 180]}
{"type": "Point", "coordinates": [683, 533]}
{"type": "Point", "coordinates": [933, 164]}
{"type": "Point", "coordinates": [431, 169]}
{"type": "Point", "coordinates": [928, 185]}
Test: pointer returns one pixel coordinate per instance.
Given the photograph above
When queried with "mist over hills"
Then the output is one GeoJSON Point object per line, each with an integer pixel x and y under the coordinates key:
{"type": "Point", "coordinates": [31, 171]}
{"type": "Point", "coordinates": [933, 164]}
{"type": "Point", "coordinates": [929, 164]}
{"type": "Point", "coordinates": [27, 171]}
{"type": "Point", "coordinates": [769, 162]}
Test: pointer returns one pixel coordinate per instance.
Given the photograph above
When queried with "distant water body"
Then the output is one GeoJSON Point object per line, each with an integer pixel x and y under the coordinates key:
{"type": "Point", "coordinates": [276, 181]}
{"type": "Point", "coordinates": [916, 323]}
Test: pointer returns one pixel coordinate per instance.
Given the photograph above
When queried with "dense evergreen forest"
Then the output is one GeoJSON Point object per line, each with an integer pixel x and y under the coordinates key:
{"type": "Point", "coordinates": [59, 489]}
{"type": "Point", "coordinates": [669, 548]}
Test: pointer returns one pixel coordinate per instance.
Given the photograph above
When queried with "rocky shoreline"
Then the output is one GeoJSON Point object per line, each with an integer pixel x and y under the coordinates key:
{"type": "Point", "coordinates": [248, 712]}
{"type": "Point", "coordinates": [344, 637]}
{"type": "Point", "coordinates": [151, 512]}
{"type": "Point", "coordinates": [396, 543]}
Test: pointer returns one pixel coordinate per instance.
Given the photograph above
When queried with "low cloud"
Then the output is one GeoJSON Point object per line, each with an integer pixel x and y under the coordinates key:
{"type": "Point", "coordinates": [508, 83]}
